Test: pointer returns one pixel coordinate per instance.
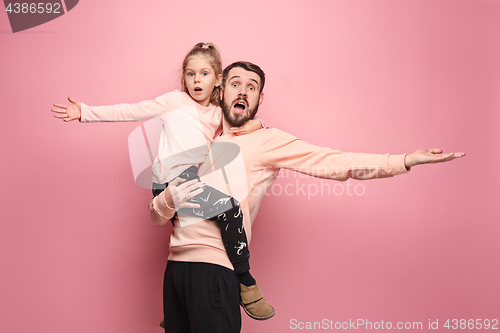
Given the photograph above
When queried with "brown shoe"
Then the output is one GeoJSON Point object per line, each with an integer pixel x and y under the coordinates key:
{"type": "Point", "coordinates": [162, 323]}
{"type": "Point", "coordinates": [254, 303]}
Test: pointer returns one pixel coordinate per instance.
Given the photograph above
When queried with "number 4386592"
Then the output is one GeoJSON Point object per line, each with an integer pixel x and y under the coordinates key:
{"type": "Point", "coordinates": [33, 8]}
{"type": "Point", "coordinates": [471, 324]}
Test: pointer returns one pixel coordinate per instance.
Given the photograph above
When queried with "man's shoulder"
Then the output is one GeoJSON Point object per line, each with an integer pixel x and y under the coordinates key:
{"type": "Point", "coordinates": [276, 134]}
{"type": "Point", "coordinates": [262, 135]}
{"type": "Point", "coordinates": [265, 140]}
{"type": "Point", "coordinates": [273, 131]}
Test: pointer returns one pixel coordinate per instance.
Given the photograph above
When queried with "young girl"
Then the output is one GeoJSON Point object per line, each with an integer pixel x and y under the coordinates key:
{"type": "Point", "coordinates": [191, 119]}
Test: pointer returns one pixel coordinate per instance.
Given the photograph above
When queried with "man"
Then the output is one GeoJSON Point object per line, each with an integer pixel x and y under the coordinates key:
{"type": "Point", "coordinates": [201, 294]}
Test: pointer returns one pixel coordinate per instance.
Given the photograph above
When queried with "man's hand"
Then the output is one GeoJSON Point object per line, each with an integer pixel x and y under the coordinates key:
{"type": "Point", "coordinates": [178, 195]}
{"type": "Point", "coordinates": [424, 156]}
{"type": "Point", "coordinates": [68, 112]}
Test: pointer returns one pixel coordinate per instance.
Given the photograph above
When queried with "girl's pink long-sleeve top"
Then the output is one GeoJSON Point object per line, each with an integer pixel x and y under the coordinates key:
{"type": "Point", "coordinates": [188, 129]}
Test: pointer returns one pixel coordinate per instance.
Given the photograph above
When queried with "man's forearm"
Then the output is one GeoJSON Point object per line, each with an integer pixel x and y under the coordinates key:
{"type": "Point", "coordinates": [160, 213]}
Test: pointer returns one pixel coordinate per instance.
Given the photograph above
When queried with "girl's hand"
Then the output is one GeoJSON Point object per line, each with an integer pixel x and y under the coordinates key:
{"type": "Point", "coordinates": [178, 195]}
{"type": "Point", "coordinates": [68, 112]}
{"type": "Point", "coordinates": [250, 126]}
{"type": "Point", "coordinates": [424, 156]}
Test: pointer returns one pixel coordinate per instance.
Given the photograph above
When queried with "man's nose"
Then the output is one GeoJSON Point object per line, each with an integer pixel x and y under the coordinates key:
{"type": "Point", "coordinates": [242, 91]}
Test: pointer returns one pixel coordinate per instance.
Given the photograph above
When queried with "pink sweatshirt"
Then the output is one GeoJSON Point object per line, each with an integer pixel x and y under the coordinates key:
{"type": "Point", "coordinates": [186, 126]}
{"type": "Point", "coordinates": [262, 154]}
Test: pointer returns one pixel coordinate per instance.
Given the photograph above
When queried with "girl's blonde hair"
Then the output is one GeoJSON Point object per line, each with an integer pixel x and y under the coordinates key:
{"type": "Point", "coordinates": [212, 54]}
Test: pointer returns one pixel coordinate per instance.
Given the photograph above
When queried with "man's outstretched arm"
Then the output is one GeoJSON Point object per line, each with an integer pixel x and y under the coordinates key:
{"type": "Point", "coordinates": [426, 156]}
{"type": "Point", "coordinates": [283, 150]}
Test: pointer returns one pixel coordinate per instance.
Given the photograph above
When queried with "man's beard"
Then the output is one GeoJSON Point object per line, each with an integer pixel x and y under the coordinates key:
{"type": "Point", "coordinates": [238, 119]}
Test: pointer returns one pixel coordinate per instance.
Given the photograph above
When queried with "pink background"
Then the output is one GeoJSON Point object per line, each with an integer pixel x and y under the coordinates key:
{"type": "Point", "coordinates": [78, 252]}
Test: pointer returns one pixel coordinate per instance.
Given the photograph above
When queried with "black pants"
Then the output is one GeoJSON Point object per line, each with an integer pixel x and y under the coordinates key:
{"type": "Point", "coordinates": [201, 298]}
{"type": "Point", "coordinates": [223, 209]}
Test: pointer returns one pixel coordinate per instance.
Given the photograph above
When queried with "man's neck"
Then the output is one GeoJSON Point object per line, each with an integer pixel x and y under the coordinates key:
{"type": "Point", "coordinates": [226, 128]}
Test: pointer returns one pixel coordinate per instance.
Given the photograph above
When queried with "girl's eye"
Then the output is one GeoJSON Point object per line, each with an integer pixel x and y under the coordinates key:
{"type": "Point", "coordinates": [190, 74]}
{"type": "Point", "coordinates": [205, 73]}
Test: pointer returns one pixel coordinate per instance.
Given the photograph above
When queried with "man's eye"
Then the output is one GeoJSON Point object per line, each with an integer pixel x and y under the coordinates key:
{"type": "Point", "coordinates": [234, 84]}
{"type": "Point", "coordinates": [251, 88]}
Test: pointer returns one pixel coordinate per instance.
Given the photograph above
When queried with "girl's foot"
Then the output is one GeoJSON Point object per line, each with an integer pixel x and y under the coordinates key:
{"type": "Point", "coordinates": [254, 303]}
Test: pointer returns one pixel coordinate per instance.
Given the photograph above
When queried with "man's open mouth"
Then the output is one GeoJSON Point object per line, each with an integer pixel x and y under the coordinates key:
{"type": "Point", "coordinates": [239, 107]}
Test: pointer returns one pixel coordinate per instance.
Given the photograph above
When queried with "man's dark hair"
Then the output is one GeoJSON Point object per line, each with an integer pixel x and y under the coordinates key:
{"type": "Point", "coordinates": [246, 66]}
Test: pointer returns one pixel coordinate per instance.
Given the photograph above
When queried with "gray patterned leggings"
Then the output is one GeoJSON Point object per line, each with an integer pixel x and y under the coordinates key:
{"type": "Point", "coordinates": [223, 209]}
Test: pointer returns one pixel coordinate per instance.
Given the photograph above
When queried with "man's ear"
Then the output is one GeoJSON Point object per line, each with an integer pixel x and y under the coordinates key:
{"type": "Point", "coordinates": [261, 98]}
{"type": "Point", "coordinates": [221, 93]}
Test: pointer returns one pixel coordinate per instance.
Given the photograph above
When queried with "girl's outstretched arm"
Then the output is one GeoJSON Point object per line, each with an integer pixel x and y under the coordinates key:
{"type": "Point", "coordinates": [68, 112]}
{"type": "Point", "coordinates": [120, 112]}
